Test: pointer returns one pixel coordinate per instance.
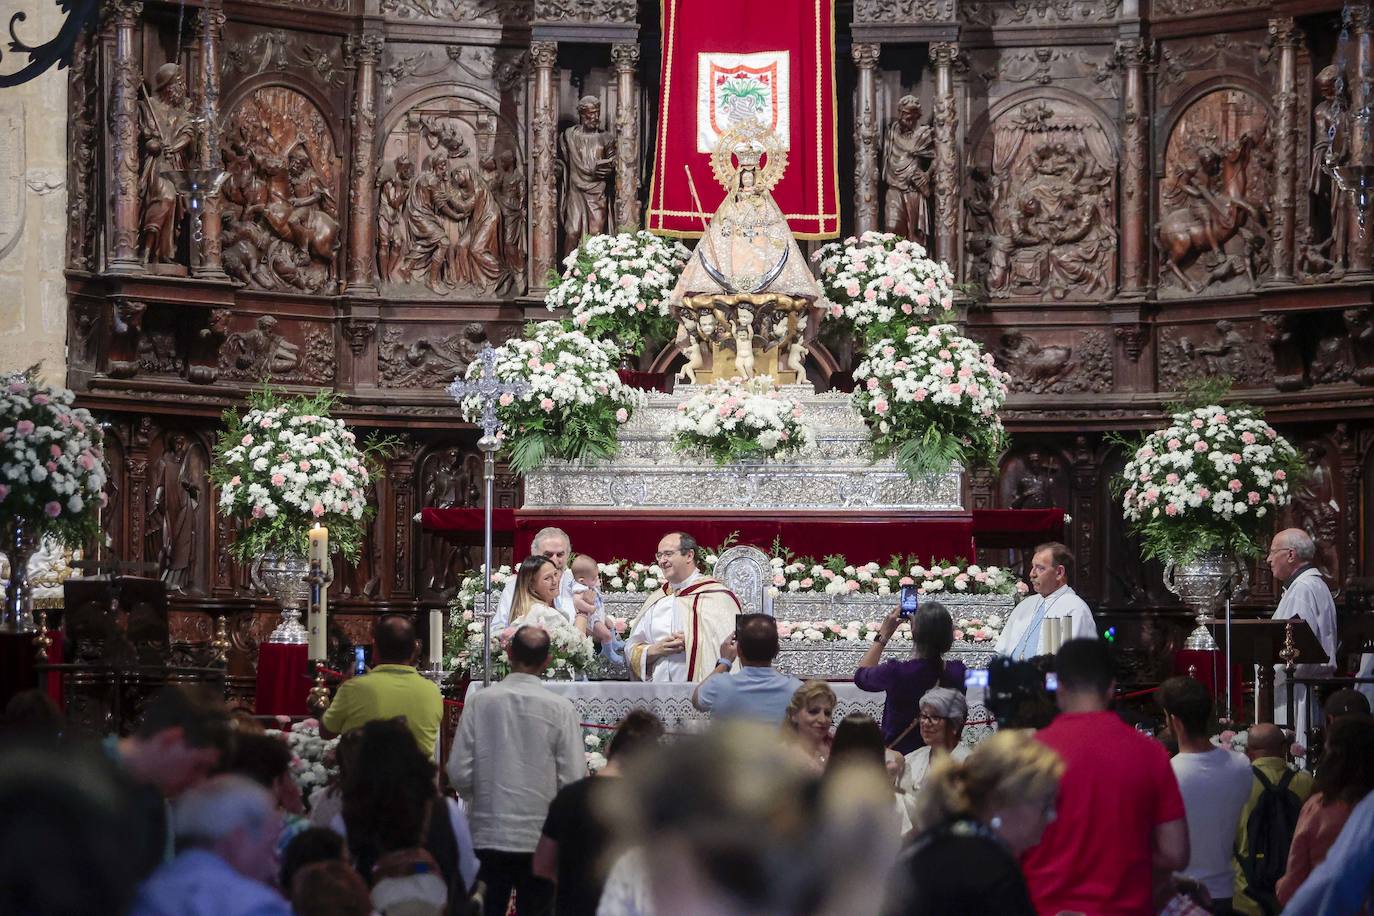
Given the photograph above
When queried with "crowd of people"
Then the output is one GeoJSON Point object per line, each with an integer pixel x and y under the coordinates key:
{"type": "Point", "coordinates": [775, 808]}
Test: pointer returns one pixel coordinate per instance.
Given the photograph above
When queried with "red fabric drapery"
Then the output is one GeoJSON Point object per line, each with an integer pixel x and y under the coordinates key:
{"type": "Point", "coordinates": [781, 53]}
{"type": "Point", "coordinates": [283, 681]}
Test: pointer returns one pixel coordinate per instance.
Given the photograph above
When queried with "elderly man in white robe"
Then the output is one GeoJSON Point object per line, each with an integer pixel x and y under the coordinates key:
{"type": "Point", "coordinates": [676, 635]}
{"type": "Point", "coordinates": [1305, 596]}
{"type": "Point", "coordinates": [1052, 598]}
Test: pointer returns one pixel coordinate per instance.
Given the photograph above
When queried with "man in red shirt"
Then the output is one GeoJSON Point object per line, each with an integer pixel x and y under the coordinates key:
{"type": "Point", "coordinates": [1120, 812]}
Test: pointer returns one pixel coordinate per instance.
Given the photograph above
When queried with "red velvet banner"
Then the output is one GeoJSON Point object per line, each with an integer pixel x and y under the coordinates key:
{"type": "Point", "coordinates": [772, 60]}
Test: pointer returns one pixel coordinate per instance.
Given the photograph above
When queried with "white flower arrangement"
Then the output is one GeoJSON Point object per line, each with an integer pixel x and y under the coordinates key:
{"type": "Point", "coordinates": [52, 471]}
{"type": "Point", "coordinates": [616, 287]}
{"type": "Point", "coordinates": [931, 399]}
{"type": "Point", "coordinates": [882, 284]}
{"type": "Point", "coordinates": [818, 632]}
{"type": "Point", "coordinates": [624, 576]}
{"type": "Point", "coordinates": [595, 742]}
{"type": "Point", "coordinates": [570, 652]}
{"type": "Point", "coordinates": [313, 759]}
{"type": "Point", "coordinates": [284, 466]}
{"type": "Point", "coordinates": [575, 401]}
{"type": "Point", "coordinates": [1213, 479]}
{"type": "Point", "coordinates": [738, 420]}
{"type": "Point", "coordinates": [463, 640]}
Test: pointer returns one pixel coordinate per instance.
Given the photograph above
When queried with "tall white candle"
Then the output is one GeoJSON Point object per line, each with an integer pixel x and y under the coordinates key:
{"type": "Point", "coordinates": [436, 637]}
{"type": "Point", "coordinates": [318, 621]}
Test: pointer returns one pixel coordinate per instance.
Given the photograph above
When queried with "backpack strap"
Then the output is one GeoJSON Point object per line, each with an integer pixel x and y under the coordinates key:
{"type": "Point", "coordinates": [1286, 778]}
{"type": "Point", "coordinates": [1264, 780]}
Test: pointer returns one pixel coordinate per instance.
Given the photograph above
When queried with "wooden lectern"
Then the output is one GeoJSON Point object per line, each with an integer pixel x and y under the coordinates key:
{"type": "Point", "coordinates": [1268, 643]}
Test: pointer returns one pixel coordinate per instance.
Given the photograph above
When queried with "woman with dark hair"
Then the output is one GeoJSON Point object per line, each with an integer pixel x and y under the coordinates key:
{"type": "Point", "coordinates": [857, 739]}
{"type": "Point", "coordinates": [1345, 777]}
{"type": "Point", "coordinates": [576, 848]}
{"type": "Point", "coordinates": [536, 591]}
{"type": "Point", "coordinates": [267, 761]}
{"type": "Point", "coordinates": [906, 681]}
{"type": "Point", "coordinates": [390, 804]}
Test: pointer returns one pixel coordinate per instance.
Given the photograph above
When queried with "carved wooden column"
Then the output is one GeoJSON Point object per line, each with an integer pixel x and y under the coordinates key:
{"type": "Point", "coordinates": [945, 171]}
{"type": "Point", "coordinates": [362, 221]}
{"type": "Point", "coordinates": [1288, 38]}
{"type": "Point", "coordinates": [625, 58]}
{"type": "Point", "coordinates": [1359, 140]}
{"type": "Point", "coordinates": [206, 258]}
{"type": "Point", "coordinates": [543, 190]}
{"type": "Point", "coordinates": [1131, 55]}
{"type": "Point", "coordinates": [123, 16]}
{"type": "Point", "coordinates": [866, 215]}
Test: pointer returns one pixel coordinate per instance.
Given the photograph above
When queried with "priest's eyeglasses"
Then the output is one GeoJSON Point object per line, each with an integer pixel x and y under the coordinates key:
{"type": "Point", "coordinates": [668, 554]}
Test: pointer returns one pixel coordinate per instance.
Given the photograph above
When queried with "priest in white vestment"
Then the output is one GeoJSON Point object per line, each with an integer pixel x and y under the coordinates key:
{"type": "Point", "coordinates": [1051, 599]}
{"type": "Point", "coordinates": [675, 636]}
{"type": "Point", "coordinates": [1305, 596]}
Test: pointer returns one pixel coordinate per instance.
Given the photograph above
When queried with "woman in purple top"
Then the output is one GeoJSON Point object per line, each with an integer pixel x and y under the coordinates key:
{"type": "Point", "coordinates": [907, 681]}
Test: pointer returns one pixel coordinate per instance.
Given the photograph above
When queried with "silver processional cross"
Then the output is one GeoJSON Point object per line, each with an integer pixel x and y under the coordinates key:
{"type": "Point", "coordinates": [488, 389]}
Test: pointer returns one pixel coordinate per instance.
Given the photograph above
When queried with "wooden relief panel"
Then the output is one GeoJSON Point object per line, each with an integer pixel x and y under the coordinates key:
{"type": "Point", "coordinates": [1226, 347]}
{"type": "Point", "coordinates": [265, 349]}
{"type": "Point", "coordinates": [451, 204]}
{"type": "Point", "coordinates": [1212, 233]}
{"type": "Point", "coordinates": [1042, 204]}
{"type": "Point", "coordinates": [280, 202]}
{"type": "Point", "coordinates": [1060, 363]}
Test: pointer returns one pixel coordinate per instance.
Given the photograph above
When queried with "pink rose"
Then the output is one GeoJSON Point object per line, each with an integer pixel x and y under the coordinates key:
{"type": "Point", "coordinates": [317, 510]}
{"type": "Point", "coordinates": [278, 480]}
{"type": "Point", "coordinates": [1173, 446]}
{"type": "Point", "coordinates": [1252, 498]}
{"type": "Point", "coordinates": [1234, 485]}
{"type": "Point", "coordinates": [922, 300]}
{"type": "Point", "coordinates": [906, 308]}
{"type": "Point", "coordinates": [906, 580]}
{"type": "Point", "coordinates": [1280, 475]}
{"type": "Point", "coordinates": [1200, 447]}
{"type": "Point", "coordinates": [1247, 438]}
{"type": "Point", "coordinates": [807, 582]}
{"type": "Point", "coordinates": [4, 491]}
{"type": "Point", "coordinates": [871, 384]}
{"type": "Point", "coordinates": [919, 394]}
{"type": "Point", "coordinates": [880, 406]}
{"type": "Point", "coordinates": [1171, 478]}
{"type": "Point", "coordinates": [53, 509]}
{"type": "Point", "coordinates": [257, 512]}
{"type": "Point", "coordinates": [1171, 509]}
{"type": "Point", "coordinates": [852, 585]}
{"type": "Point", "coordinates": [827, 574]}
{"type": "Point", "coordinates": [1197, 423]}
{"type": "Point", "coordinates": [622, 415]}
{"type": "Point", "coordinates": [779, 579]}
{"type": "Point", "coordinates": [546, 404]}
{"type": "Point", "coordinates": [958, 634]}
{"type": "Point", "coordinates": [42, 399]}
{"type": "Point", "coordinates": [247, 439]}
{"type": "Point", "coordinates": [337, 478]}
{"type": "Point", "coordinates": [236, 480]}
{"type": "Point", "coordinates": [23, 427]}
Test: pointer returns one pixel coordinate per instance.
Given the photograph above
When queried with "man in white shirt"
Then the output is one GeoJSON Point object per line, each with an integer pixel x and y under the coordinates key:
{"type": "Point", "coordinates": [680, 626]}
{"type": "Point", "coordinates": [518, 743]}
{"type": "Point", "coordinates": [554, 544]}
{"type": "Point", "coordinates": [1305, 596]}
{"type": "Point", "coordinates": [1051, 599]}
{"type": "Point", "coordinates": [1215, 784]}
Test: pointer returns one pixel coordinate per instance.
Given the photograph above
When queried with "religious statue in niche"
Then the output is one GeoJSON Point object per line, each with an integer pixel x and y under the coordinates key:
{"type": "Point", "coordinates": [177, 514]}
{"type": "Point", "coordinates": [450, 480]}
{"type": "Point", "coordinates": [447, 192]}
{"type": "Point", "coordinates": [1035, 487]}
{"type": "Point", "coordinates": [1042, 205]}
{"type": "Point", "coordinates": [1315, 509]}
{"type": "Point", "coordinates": [1212, 235]}
{"type": "Point", "coordinates": [587, 162]}
{"type": "Point", "coordinates": [168, 138]}
{"type": "Point", "coordinates": [280, 215]}
{"type": "Point", "coordinates": [908, 153]}
{"type": "Point", "coordinates": [1332, 204]}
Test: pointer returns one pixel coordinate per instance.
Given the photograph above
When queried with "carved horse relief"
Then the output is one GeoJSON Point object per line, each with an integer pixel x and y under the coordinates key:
{"type": "Point", "coordinates": [1212, 233]}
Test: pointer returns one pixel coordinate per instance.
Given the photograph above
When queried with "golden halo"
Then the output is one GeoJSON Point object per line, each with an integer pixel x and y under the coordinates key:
{"type": "Point", "coordinates": [744, 134]}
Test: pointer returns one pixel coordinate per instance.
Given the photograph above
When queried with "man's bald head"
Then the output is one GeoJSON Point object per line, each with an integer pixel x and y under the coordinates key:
{"type": "Point", "coordinates": [1265, 740]}
{"type": "Point", "coordinates": [393, 640]}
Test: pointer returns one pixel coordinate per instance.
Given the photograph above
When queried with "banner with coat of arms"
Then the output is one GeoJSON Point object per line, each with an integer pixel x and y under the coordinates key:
{"type": "Point", "coordinates": [725, 61]}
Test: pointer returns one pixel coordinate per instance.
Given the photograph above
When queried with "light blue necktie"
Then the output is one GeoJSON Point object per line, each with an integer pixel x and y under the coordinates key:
{"type": "Point", "coordinates": [1032, 631]}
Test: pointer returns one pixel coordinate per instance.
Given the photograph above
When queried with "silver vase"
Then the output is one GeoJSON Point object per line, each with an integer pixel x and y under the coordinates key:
{"type": "Point", "coordinates": [283, 575]}
{"type": "Point", "coordinates": [1202, 584]}
{"type": "Point", "coordinates": [18, 546]}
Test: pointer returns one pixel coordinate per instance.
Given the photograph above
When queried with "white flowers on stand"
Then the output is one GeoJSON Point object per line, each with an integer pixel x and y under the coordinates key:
{"type": "Point", "coordinates": [616, 287]}
{"type": "Point", "coordinates": [882, 283]}
{"type": "Point", "coordinates": [931, 399]}
{"type": "Point", "coordinates": [1211, 480]}
{"type": "Point", "coordinates": [735, 419]}
{"type": "Point", "coordinates": [575, 401]}
{"type": "Point", "coordinates": [52, 472]}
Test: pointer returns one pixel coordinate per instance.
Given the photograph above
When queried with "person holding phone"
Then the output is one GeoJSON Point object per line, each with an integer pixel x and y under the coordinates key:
{"type": "Point", "coordinates": [907, 680]}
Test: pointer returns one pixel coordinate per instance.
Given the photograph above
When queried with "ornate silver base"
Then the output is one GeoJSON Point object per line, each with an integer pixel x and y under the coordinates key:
{"type": "Point", "coordinates": [1202, 583]}
{"type": "Point", "coordinates": [283, 575]}
{"type": "Point", "coordinates": [1201, 639]}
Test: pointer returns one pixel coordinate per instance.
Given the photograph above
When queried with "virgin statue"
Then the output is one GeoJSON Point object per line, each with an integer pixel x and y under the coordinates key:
{"type": "Point", "coordinates": [748, 247]}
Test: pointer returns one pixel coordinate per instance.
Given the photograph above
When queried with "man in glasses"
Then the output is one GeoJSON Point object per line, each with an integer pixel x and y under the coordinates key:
{"type": "Point", "coordinates": [1305, 596]}
{"type": "Point", "coordinates": [674, 637]}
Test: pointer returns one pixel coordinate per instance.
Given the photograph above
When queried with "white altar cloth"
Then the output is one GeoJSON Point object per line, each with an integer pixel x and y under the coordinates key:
{"type": "Point", "coordinates": [607, 702]}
